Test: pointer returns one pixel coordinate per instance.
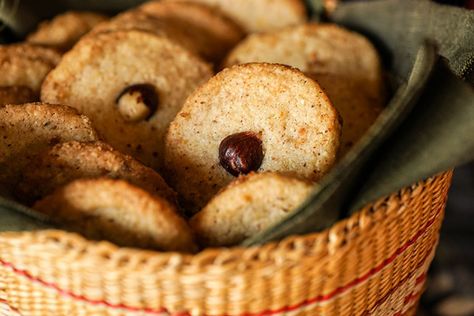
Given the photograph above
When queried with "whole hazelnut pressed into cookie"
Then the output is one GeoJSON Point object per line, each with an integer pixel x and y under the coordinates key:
{"type": "Point", "coordinates": [131, 84]}
{"type": "Point", "coordinates": [241, 153]}
{"type": "Point", "coordinates": [252, 117]}
{"type": "Point", "coordinates": [137, 102]}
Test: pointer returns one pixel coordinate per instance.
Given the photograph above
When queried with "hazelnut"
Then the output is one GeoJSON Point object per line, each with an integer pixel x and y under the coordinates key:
{"type": "Point", "coordinates": [137, 102]}
{"type": "Point", "coordinates": [241, 153]}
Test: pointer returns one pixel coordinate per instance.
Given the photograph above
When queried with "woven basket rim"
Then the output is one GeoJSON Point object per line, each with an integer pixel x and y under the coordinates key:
{"type": "Point", "coordinates": [291, 249]}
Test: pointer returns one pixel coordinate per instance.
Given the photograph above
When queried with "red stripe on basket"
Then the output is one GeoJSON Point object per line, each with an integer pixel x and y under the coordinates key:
{"type": "Point", "coordinates": [5, 302]}
{"type": "Point", "coordinates": [410, 298]}
{"type": "Point", "coordinates": [318, 299]}
{"type": "Point", "coordinates": [420, 279]}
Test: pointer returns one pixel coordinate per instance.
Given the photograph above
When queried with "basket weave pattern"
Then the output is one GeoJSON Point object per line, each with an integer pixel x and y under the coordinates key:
{"type": "Point", "coordinates": [373, 263]}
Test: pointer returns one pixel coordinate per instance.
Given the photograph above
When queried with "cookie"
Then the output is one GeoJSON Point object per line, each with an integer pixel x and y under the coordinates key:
{"type": "Point", "coordinates": [16, 95]}
{"type": "Point", "coordinates": [119, 212]}
{"type": "Point", "coordinates": [69, 161]}
{"type": "Point", "coordinates": [64, 30]}
{"type": "Point", "coordinates": [192, 26]}
{"type": "Point", "coordinates": [252, 117]}
{"type": "Point", "coordinates": [26, 65]}
{"type": "Point", "coordinates": [262, 15]}
{"type": "Point", "coordinates": [213, 33]}
{"type": "Point", "coordinates": [317, 49]}
{"type": "Point", "coordinates": [31, 51]}
{"type": "Point", "coordinates": [358, 111]}
{"type": "Point", "coordinates": [139, 20]}
{"type": "Point", "coordinates": [248, 206]}
{"type": "Point", "coordinates": [131, 84]}
{"type": "Point", "coordinates": [27, 129]}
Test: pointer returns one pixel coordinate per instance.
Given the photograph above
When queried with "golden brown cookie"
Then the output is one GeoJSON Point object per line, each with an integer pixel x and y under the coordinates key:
{"type": "Point", "coordinates": [213, 33]}
{"type": "Point", "coordinates": [252, 117]}
{"type": "Point", "coordinates": [27, 129]}
{"type": "Point", "coordinates": [16, 95]}
{"type": "Point", "coordinates": [358, 110]}
{"type": "Point", "coordinates": [65, 29]}
{"type": "Point", "coordinates": [131, 84]}
{"type": "Point", "coordinates": [69, 161]}
{"type": "Point", "coordinates": [317, 49]}
{"type": "Point", "coordinates": [193, 26]}
{"type": "Point", "coordinates": [261, 15]}
{"type": "Point", "coordinates": [26, 65]}
{"type": "Point", "coordinates": [117, 211]}
{"type": "Point", "coordinates": [248, 206]}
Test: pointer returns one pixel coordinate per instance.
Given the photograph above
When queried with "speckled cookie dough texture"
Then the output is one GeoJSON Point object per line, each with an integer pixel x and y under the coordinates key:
{"type": "Point", "coordinates": [298, 127]}
{"type": "Point", "coordinates": [261, 15]}
{"type": "Point", "coordinates": [316, 49]}
{"type": "Point", "coordinates": [212, 33]}
{"type": "Point", "coordinates": [117, 211]}
{"type": "Point", "coordinates": [345, 64]}
{"type": "Point", "coordinates": [28, 129]}
{"type": "Point", "coordinates": [131, 84]}
{"type": "Point", "coordinates": [248, 206]}
{"type": "Point", "coordinates": [26, 65]}
{"type": "Point", "coordinates": [73, 160]}
{"type": "Point", "coordinates": [64, 30]}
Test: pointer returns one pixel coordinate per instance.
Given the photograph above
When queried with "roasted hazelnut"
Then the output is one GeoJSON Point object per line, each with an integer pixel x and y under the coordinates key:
{"type": "Point", "coordinates": [137, 102]}
{"type": "Point", "coordinates": [241, 153]}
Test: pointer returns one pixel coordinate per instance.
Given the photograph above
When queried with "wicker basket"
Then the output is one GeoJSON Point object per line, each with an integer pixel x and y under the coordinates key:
{"type": "Point", "coordinates": [373, 263]}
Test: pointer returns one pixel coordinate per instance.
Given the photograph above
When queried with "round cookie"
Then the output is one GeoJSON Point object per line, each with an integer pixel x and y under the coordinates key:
{"type": "Point", "coordinates": [69, 161]}
{"type": "Point", "coordinates": [142, 21]}
{"type": "Point", "coordinates": [31, 51]}
{"type": "Point", "coordinates": [64, 30]}
{"type": "Point", "coordinates": [27, 129]}
{"type": "Point", "coordinates": [131, 84]}
{"type": "Point", "coordinates": [248, 206]}
{"type": "Point", "coordinates": [264, 117]}
{"type": "Point", "coordinates": [119, 212]}
{"type": "Point", "coordinates": [262, 15]}
{"type": "Point", "coordinates": [26, 65]}
{"type": "Point", "coordinates": [358, 111]}
{"type": "Point", "coordinates": [213, 32]}
{"type": "Point", "coordinates": [16, 95]}
{"type": "Point", "coordinates": [317, 49]}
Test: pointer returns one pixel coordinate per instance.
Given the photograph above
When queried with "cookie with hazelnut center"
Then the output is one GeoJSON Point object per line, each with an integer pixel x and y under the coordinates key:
{"type": "Point", "coordinates": [28, 129]}
{"type": "Point", "coordinates": [252, 117]}
{"type": "Point", "coordinates": [325, 49]}
{"type": "Point", "coordinates": [69, 161]}
{"type": "Point", "coordinates": [262, 15]}
{"type": "Point", "coordinates": [26, 65]}
{"type": "Point", "coordinates": [117, 211]}
{"type": "Point", "coordinates": [248, 206]}
{"type": "Point", "coordinates": [131, 84]}
{"type": "Point", "coordinates": [65, 29]}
